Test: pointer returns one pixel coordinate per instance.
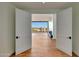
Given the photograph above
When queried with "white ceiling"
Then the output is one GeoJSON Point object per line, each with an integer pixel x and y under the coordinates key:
{"type": "Point", "coordinates": [40, 5]}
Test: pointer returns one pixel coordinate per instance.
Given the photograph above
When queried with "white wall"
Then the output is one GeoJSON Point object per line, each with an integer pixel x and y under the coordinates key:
{"type": "Point", "coordinates": [41, 17]}
{"type": "Point", "coordinates": [54, 26]}
{"type": "Point", "coordinates": [51, 25]}
{"type": "Point", "coordinates": [75, 28]}
{"type": "Point", "coordinates": [7, 32]}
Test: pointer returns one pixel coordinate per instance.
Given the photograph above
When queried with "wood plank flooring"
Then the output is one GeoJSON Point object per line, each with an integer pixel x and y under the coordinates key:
{"type": "Point", "coordinates": [43, 46]}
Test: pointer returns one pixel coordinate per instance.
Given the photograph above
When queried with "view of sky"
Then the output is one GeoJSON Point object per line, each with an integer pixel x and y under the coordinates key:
{"type": "Point", "coordinates": [38, 24]}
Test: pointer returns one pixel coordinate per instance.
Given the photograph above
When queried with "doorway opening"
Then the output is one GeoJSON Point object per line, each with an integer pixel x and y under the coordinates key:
{"type": "Point", "coordinates": [44, 35]}
{"type": "Point", "coordinates": [42, 43]}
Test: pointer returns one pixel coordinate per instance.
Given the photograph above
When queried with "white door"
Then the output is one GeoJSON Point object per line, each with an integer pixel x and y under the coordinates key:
{"type": "Point", "coordinates": [23, 31]}
{"type": "Point", "coordinates": [64, 31]}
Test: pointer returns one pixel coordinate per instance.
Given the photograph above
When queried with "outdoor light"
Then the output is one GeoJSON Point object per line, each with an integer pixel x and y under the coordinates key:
{"type": "Point", "coordinates": [43, 2]}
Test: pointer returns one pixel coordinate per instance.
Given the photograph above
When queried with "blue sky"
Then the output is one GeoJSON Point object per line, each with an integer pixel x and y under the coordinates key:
{"type": "Point", "coordinates": [39, 24]}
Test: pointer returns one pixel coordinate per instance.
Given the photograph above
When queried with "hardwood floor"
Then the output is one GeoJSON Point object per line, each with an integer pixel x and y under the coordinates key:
{"type": "Point", "coordinates": [43, 46]}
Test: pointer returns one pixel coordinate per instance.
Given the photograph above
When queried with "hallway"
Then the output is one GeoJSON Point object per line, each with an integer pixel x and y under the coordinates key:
{"type": "Point", "coordinates": [42, 46]}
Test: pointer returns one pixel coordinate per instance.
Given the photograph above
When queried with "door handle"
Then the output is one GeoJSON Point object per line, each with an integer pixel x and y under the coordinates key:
{"type": "Point", "coordinates": [17, 37]}
{"type": "Point", "coordinates": [69, 37]}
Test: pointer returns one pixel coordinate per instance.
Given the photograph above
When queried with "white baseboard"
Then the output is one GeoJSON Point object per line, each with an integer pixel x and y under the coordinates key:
{"type": "Point", "coordinates": [6, 54]}
{"type": "Point", "coordinates": [76, 53]}
{"type": "Point", "coordinates": [64, 52]}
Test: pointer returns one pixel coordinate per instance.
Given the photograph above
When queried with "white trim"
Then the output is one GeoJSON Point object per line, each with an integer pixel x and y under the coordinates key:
{"type": "Point", "coordinates": [76, 53]}
{"type": "Point", "coordinates": [5, 54]}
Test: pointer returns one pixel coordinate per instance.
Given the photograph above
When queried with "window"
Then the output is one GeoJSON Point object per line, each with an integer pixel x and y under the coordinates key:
{"type": "Point", "coordinates": [39, 26]}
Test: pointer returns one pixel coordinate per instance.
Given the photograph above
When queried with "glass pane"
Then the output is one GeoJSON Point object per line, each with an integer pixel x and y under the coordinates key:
{"type": "Point", "coordinates": [39, 26]}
